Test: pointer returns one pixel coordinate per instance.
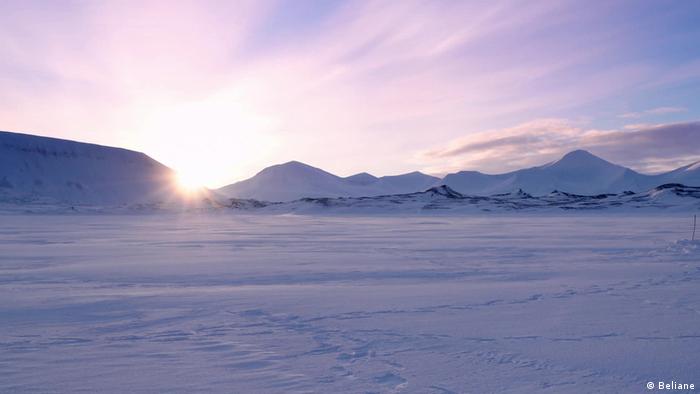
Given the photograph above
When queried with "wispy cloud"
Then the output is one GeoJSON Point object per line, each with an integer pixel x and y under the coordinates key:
{"type": "Point", "coordinates": [645, 148]}
{"type": "Point", "coordinates": [225, 88]}
{"type": "Point", "coordinates": [653, 111]}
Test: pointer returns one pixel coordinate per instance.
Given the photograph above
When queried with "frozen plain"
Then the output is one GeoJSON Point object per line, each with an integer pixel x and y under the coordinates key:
{"type": "Point", "coordinates": [229, 303]}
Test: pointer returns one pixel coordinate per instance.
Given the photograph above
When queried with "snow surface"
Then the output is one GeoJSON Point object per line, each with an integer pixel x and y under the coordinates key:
{"type": "Point", "coordinates": [232, 303]}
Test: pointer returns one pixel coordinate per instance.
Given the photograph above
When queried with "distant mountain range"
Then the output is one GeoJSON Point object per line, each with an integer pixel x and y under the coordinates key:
{"type": "Point", "coordinates": [578, 172]}
{"type": "Point", "coordinates": [34, 168]}
{"type": "Point", "coordinates": [295, 180]}
{"type": "Point", "coordinates": [444, 200]}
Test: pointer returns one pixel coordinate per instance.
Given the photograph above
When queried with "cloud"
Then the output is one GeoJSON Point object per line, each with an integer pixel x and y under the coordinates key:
{"type": "Point", "coordinates": [653, 111]}
{"type": "Point", "coordinates": [230, 87]}
{"type": "Point", "coordinates": [646, 148]}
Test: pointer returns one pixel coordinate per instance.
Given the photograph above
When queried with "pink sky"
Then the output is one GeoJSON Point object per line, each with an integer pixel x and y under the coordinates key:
{"type": "Point", "coordinates": [219, 90]}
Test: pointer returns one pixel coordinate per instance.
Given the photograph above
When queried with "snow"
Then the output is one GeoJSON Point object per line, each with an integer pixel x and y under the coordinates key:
{"type": "Point", "coordinates": [362, 178]}
{"type": "Point", "coordinates": [294, 180]}
{"type": "Point", "coordinates": [34, 168]}
{"type": "Point", "coordinates": [41, 170]}
{"type": "Point", "coordinates": [688, 175]}
{"type": "Point", "coordinates": [443, 200]}
{"type": "Point", "coordinates": [685, 247]}
{"type": "Point", "coordinates": [224, 302]}
{"type": "Point", "coordinates": [577, 172]}
{"type": "Point", "coordinates": [113, 281]}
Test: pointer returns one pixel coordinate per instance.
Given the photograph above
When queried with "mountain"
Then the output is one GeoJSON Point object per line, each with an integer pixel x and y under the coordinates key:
{"type": "Point", "coordinates": [34, 168]}
{"type": "Point", "coordinates": [406, 183]}
{"type": "Point", "coordinates": [290, 181]}
{"type": "Point", "coordinates": [687, 175]}
{"type": "Point", "coordinates": [394, 184]}
{"type": "Point", "coordinates": [295, 180]}
{"type": "Point", "coordinates": [362, 178]}
{"type": "Point", "coordinates": [577, 172]}
{"type": "Point", "coordinates": [43, 169]}
{"type": "Point", "coordinates": [444, 200]}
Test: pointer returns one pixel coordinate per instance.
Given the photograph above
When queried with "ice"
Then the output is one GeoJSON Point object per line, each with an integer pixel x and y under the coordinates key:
{"type": "Point", "coordinates": [216, 302]}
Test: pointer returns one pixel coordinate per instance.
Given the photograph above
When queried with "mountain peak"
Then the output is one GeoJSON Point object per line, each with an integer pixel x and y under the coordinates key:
{"type": "Point", "coordinates": [294, 163]}
{"type": "Point", "coordinates": [290, 167]}
{"type": "Point", "coordinates": [579, 154]}
{"type": "Point", "coordinates": [580, 159]}
{"type": "Point", "coordinates": [363, 178]}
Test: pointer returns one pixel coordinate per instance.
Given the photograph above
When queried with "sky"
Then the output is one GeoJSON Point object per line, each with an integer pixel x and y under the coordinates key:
{"type": "Point", "coordinates": [218, 90]}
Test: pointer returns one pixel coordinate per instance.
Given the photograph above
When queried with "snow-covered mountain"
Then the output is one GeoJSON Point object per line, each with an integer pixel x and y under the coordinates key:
{"type": "Point", "coordinates": [289, 181]}
{"type": "Point", "coordinates": [578, 172]}
{"type": "Point", "coordinates": [34, 168]}
{"type": "Point", "coordinates": [687, 175]}
{"type": "Point", "coordinates": [295, 180]}
{"type": "Point", "coordinates": [406, 183]}
{"type": "Point", "coordinates": [362, 178]}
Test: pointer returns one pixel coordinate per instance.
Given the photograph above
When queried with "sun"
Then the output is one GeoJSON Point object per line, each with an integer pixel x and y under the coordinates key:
{"type": "Point", "coordinates": [189, 182]}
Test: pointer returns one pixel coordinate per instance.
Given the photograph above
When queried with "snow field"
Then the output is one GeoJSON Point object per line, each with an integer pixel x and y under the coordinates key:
{"type": "Point", "coordinates": [266, 304]}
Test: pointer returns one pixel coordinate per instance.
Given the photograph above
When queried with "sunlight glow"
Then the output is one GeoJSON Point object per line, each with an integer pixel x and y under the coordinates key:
{"type": "Point", "coordinates": [210, 142]}
{"type": "Point", "coordinates": [189, 182]}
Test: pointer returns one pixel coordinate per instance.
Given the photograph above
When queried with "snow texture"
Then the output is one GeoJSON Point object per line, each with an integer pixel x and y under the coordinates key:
{"type": "Point", "coordinates": [229, 303]}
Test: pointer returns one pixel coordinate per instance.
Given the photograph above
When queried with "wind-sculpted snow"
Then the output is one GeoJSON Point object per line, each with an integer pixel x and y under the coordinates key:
{"type": "Point", "coordinates": [231, 303]}
{"type": "Point", "coordinates": [444, 199]}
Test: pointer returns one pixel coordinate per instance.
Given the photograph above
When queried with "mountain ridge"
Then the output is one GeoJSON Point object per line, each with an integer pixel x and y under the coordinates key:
{"type": "Point", "coordinates": [444, 200]}
{"type": "Point", "coordinates": [577, 172]}
{"type": "Point", "coordinates": [35, 167]}
{"type": "Point", "coordinates": [294, 180]}
{"type": "Point", "coordinates": [52, 169]}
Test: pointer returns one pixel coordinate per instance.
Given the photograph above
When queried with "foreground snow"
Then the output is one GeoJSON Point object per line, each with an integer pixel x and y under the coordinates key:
{"type": "Point", "coordinates": [204, 303]}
